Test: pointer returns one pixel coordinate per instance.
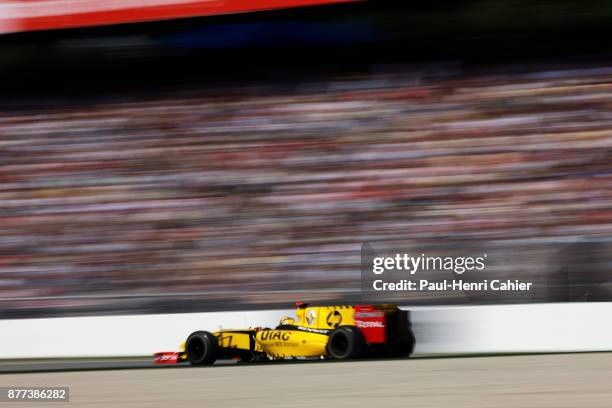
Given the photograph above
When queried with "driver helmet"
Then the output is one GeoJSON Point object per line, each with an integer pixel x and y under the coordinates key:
{"type": "Point", "coordinates": [287, 320]}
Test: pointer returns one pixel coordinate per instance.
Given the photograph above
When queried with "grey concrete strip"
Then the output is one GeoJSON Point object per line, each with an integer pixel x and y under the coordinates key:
{"type": "Point", "coordinates": [561, 380]}
{"type": "Point", "coordinates": [33, 366]}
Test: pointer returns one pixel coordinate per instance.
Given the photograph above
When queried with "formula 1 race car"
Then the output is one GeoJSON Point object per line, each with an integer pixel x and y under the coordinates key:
{"type": "Point", "coordinates": [334, 332]}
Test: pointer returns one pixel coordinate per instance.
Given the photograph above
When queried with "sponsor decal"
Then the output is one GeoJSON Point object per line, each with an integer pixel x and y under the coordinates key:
{"type": "Point", "coordinates": [166, 357]}
{"type": "Point", "coordinates": [365, 325]}
{"type": "Point", "coordinates": [308, 329]}
{"type": "Point", "coordinates": [369, 314]}
{"type": "Point", "coordinates": [275, 335]}
{"type": "Point", "coordinates": [334, 319]}
{"type": "Point", "coordinates": [311, 316]}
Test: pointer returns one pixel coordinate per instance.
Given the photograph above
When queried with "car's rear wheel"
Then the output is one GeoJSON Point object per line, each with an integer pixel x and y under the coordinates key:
{"type": "Point", "coordinates": [403, 348]}
{"type": "Point", "coordinates": [201, 348]}
{"type": "Point", "coordinates": [346, 342]}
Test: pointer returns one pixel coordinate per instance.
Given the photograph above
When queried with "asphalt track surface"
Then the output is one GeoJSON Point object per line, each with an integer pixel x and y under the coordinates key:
{"type": "Point", "coordinates": [553, 380]}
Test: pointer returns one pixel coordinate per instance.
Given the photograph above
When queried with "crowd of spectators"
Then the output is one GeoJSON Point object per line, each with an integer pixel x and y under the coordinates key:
{"type": "Point", "coordinates": [270, 191]}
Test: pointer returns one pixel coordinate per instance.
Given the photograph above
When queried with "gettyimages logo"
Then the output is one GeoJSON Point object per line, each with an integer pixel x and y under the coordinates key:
{"type": "Point", "coordinates": [450, 268]}
{"type": "Point", "coordinates": [411, 264]}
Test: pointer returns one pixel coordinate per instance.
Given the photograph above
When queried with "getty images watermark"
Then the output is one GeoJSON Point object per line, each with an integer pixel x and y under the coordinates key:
{"type": "Point", "coordinates": [402, 271]}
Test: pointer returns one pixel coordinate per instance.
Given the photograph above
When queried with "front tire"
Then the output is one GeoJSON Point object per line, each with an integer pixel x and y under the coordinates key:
{"type": "Point", "coordinates": [201, 348]}
{"type": "Point", "coordinates": [346, 342]}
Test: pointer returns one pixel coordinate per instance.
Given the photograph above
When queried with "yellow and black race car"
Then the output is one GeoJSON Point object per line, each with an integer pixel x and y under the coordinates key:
{"type": "Point", "coordinates": [335, 332]}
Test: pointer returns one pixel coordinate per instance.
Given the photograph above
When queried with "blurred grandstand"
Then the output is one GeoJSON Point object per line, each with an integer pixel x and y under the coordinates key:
{"type": "Point", "coordinates": [260, 192]}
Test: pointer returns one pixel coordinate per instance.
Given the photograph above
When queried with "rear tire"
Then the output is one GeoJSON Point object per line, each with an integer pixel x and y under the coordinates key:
{"type": "Point", "coordinates": [346, 342]}
{"type": "Point", "coordinates": [201, 348]}
{"type": "Point", "coordinates": [402, 342]}
{"type": "Point", "coordinates": [403, 348]}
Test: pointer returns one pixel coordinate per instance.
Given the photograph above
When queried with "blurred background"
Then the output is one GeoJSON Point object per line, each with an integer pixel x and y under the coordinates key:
{"type": "Point", "coordinates": [234, 161]}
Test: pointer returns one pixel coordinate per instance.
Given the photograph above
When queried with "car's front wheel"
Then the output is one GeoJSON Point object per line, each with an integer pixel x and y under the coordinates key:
{"type": "Point", "coordinates": [201, 348]}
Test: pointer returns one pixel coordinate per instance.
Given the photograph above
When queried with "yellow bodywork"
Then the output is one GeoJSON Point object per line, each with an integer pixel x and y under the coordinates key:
{"type": "Point", "coordinates": [306, 338]}
{"type": "Point", "coordinates": [310, 336]}
{"type": "Point", "coordinates": [368, 330]}
{"type": "Point", "coordinates": [235, 339]}
{"type": "Point", "coordinates": [325, 317]}
{"type": "Point", "coordinates": [291, 343]}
